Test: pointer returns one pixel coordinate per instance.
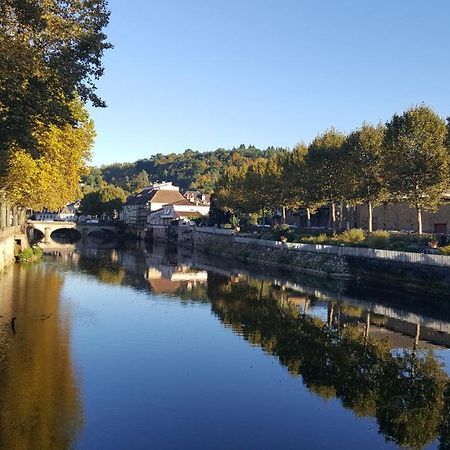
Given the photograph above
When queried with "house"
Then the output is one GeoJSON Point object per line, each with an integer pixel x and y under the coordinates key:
{"type": "Point", "coordinates": [66, 214]}
{"type": "Point", "coordinates": [198, 197]}
{"type": "Point", "coordinates": [182, 210]}
{"type": "Point", "coordinates": [154, 197]}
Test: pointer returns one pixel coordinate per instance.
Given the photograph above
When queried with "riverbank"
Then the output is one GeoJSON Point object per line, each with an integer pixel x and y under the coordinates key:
{"type": "Point", "coordinates": [412, 271]}
{"type": "Point", "coordinates": [12, 241]}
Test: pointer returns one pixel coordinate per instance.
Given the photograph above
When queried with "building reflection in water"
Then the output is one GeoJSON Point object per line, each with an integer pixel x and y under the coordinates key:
{"type": "Point", "coordinates": [40, 405]}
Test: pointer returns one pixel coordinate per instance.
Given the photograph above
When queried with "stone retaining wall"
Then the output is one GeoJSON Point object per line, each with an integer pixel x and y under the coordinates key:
{"type": "Point", "coordinates": [406, 274]}
{"type": "Point", "coordinates": [8, 245]}
{"type": "Point", "coordinates": [222, 244]}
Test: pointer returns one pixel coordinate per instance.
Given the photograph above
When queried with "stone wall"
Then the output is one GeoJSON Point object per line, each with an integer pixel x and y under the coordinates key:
{"type": "Point", "coordinates": [221, 244]}
{"type": "Point", "coordinates": [431, 280]}
{"type": "Point", "coordinates": [8, 245]}
{"type": "Point", "coordinates": [404, 275]}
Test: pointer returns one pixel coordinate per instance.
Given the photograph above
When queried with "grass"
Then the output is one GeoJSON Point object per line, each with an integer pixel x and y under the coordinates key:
{"type": "Point", "coordinates": [357, 238]}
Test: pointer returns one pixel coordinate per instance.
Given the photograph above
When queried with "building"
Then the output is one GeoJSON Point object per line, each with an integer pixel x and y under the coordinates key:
{"type": "Point", "coordinates": [182, 210]}
{"type": "Point", "coordinates": [198, 197]}
{"type": "Point", "coordinates": [400, 217]}
{"type": "Point", "coordinates": [389, 216]}
{"type": "Point", "coordinates": [65, 214]}
{"type": "Point", "coordinates": [137, 207]}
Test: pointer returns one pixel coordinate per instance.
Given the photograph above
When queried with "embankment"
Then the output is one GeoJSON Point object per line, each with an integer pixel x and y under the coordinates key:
{"type": "Point", "coordinates": [222, 243]}
{"type": "Point", "coordinates": [12, 240]}
{"type": "Point", "coordinates": [407, 271]}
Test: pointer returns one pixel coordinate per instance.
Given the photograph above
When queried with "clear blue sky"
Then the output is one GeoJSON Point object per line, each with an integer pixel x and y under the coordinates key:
{"type": "Point", "coordinates": [204, 74]}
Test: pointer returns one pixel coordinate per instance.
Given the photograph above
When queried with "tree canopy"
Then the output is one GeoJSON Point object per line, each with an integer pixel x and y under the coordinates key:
{"type": "Point", "coordinates": [51, 52]}
{"type": "Point", "coordinates": [50, 177]}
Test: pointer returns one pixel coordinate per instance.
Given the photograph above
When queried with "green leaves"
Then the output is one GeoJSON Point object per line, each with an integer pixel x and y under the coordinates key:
{"type": "Point", "coordinates": [51, 53]}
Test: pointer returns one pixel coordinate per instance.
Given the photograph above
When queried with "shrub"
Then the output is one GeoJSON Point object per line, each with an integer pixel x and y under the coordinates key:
{"type": "Point", "coordinates": [25, 255]}
{"type": "Point", "coordinates": [352, 236]}
{"type": "Point", "coordinates": [445, 250]}
{"type": "Point", "coordinates": [321, 238]}
{"type": "Point", "coordinates": [37, 251]}
{"type": "Point", "coordinates": [29, 254]}
{"type": "Point", "coordinates": [378, 239]}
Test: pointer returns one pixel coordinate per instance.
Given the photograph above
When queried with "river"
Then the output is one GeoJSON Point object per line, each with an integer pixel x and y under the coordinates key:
{"type": "Point", "coordinates": [142, 348]}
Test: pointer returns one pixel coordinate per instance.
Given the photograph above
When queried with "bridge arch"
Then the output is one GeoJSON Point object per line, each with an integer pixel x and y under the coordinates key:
{"type": "Point", "coordinates": [45, 229]}
{"type": "Point", "coordinates": [65, 235]}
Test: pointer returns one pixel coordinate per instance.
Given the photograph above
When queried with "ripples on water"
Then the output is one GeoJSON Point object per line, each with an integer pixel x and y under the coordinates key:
{"type": "Point", "coordinates": [148, 349]}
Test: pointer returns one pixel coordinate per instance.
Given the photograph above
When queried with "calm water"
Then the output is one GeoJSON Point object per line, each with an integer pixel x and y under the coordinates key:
{"type": "Point", "coordinates": [141, 349]}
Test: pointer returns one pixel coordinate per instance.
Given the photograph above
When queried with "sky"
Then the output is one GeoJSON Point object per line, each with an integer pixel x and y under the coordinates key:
{"type": "Point", "coordinates": [204, 74]}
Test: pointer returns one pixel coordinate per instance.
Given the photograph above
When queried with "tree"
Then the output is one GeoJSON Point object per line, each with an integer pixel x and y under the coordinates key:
{"type": "Point", "coordinates": [50, 176]}
{"type": "Point", "coordinates": [139, 181]}
{"type": "Point", "coordinates": [112, 198]}
{"type": "Point", "coordinates": [51, 53]}
{"type": "Point", "coordinates": [325, 166]}
{"type": "Point", "coordinates": [416, 159]}
{"type": "Point", "coordinates": [298, 183]}
{"type": "Point", "coordinates": [91, 204]}
{"type": "Point", "coordinates": [105, 201]}
{"type": "Point", "coordinates": [363, 150]}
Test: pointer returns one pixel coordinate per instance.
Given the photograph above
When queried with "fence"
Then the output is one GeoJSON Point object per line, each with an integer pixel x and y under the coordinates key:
{"type": "Point", "coordinates": [373, 253]}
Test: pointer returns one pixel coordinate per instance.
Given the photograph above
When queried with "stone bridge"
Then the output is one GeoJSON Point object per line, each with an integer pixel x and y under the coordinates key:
{"type": "Point", "coordinates": [48, 227]}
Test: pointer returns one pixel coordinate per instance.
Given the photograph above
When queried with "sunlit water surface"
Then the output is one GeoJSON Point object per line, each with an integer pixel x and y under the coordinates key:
{"type": "Point", "coordinates": [141, 349]}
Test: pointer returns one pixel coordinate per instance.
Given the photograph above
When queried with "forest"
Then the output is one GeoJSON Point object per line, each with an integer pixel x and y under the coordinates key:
{"type": "Point", "coordinates": [188, 170]}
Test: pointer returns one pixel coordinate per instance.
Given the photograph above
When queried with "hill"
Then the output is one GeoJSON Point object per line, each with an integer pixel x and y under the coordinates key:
{"type": "Point", "coordinates": [189, 170]}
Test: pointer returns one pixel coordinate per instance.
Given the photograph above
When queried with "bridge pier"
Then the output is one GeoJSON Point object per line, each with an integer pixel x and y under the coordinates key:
{"type": "Point", "coordinates": [47, 233]}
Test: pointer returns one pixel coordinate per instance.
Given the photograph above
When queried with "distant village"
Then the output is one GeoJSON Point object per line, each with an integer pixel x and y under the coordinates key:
{"type": "Point", "coordinates": [156, 205]}
{"type": "Point", "coordinates": [162, 203]}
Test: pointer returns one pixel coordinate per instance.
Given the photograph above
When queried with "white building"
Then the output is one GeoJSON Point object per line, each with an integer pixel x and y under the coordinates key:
{"type": "Point", "coordinates": [152, 198]}
{"type": "Point", "coordinates": [182, 210]}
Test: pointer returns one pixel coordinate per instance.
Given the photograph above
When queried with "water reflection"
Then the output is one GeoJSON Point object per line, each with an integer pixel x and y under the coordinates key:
{"type": "Point", "coordinates": [39, 399]}
{"type": "Point", "coordinates": [376, 354]}
{"type": "Point", "coordinates": [342, 348]}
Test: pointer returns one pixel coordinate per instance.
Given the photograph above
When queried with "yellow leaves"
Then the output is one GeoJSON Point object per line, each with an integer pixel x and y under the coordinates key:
{"type": "Point", "coordinates": [50, 178]}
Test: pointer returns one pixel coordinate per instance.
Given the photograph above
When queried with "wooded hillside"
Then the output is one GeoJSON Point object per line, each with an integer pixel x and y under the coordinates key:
{"type": "Point", "coordinates": [189, 170]}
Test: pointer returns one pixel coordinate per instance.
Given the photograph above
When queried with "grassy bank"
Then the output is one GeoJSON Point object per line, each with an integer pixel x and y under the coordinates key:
{"type": "Point", "coordinates": [359, 238]}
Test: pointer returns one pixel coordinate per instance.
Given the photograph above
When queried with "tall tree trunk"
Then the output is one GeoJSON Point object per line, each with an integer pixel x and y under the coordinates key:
{"type": "Point", "coordinates": [370, 216]}
{"type": "Point", "coordinates": [419, 220]}
{"type": "Point", "coordinates": [417, 337]}
{"type": "Point", "coordinates": [308, 218]}
{"type": "Point", "coordinates": [330, 312]}
{"type": "Point", "coordinates": [341, 215]}
{"type": "Point", "coordinates": [283, 214]}
{"type": "Point", "coordinates": [367, 329]}
{"type": "Point", "coordinates": [333, 216]}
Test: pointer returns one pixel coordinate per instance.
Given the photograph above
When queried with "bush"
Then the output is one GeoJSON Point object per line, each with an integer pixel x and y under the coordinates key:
{"type": "Point", "coordinates": [29, 254]}
{"type": "Point", "coordinates": [445, 250]}
{"type": "Point", "coordinates": [321, 238]}
{"type": "Point", "coordinates": [25, 255]}
{"type": "Point", "coordinates": [352, 236]}
{"type": "Point", "coordinates": [37, 251]}
{"type": "Point", "coordinates": [378, 239]}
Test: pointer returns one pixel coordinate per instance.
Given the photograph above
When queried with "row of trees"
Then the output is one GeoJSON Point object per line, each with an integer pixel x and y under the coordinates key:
{"type": "Point", "coordinates": [406, 160]}
{"type": "Point", "coordinates": [51, 56]}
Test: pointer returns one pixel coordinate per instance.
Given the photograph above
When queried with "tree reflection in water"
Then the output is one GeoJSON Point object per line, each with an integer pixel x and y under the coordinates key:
{"type": "Point", "coordinates": [39, 399]}
{"type": "Point", "coordinates": [407, 393]}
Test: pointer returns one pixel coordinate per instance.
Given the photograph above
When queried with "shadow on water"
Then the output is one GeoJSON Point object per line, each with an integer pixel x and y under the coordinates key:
{"type": "Point", "coordinates": [372, 349]}
{"type": "Point", "coordinates": [40, 405]}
